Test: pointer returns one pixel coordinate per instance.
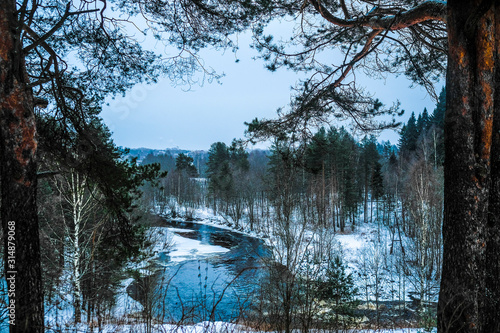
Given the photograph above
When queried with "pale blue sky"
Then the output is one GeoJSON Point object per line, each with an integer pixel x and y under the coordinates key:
{"type": "Point", "coordinates": [162, 116]}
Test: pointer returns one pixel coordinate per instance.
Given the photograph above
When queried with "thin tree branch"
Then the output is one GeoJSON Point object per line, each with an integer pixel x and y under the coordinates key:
{"type": "Point", "coordinates": [344, 9]}
{"type": "Point", "coordinates": [46, 174]}
{"type": "Point", "coordinates": [56, 27]}
{"type": "Point", "coordinates": [419, 32]}
{"type": "Point", "coordinates": [428, 85]}
{"type": "Point", "coordinates": [358, 57]}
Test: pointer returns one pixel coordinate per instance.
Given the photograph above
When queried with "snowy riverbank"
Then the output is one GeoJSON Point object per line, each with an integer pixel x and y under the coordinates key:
{"type": "Point", "coordinates": [357, 248]}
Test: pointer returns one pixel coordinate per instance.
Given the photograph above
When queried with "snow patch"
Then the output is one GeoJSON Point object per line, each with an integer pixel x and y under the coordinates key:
{"type": "Point", "coordinates": [186, 249]}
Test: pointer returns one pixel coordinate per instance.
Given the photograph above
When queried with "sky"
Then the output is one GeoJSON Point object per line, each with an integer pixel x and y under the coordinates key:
{"type": "Point", "coordinates": [163, 116]}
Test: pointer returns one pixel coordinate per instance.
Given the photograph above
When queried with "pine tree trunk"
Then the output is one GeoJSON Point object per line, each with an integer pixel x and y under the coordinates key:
{"type": "Point", "coordinates": [469, 171]}
{"type": "Point", "coordinates": [18, 177]}
{"type": "Point", "coordinates": [491, 312]}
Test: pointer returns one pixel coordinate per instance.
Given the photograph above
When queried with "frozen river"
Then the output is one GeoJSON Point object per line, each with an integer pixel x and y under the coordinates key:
{"type": "Point", "coordinates": [210, 274]}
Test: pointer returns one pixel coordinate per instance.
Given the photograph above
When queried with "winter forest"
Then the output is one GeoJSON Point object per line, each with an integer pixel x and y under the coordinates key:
{"type": "Point", "coordinates": [328, 228]}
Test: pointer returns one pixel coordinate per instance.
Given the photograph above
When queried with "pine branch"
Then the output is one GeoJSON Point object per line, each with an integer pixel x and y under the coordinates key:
{"type": "Point", "coordinates": [56, 27]}
{"type": "Point", "coordinates": [431, 10]}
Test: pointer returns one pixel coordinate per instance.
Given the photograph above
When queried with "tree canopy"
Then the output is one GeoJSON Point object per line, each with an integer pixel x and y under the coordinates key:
{"type": "Point", "coordinates": [58, 62]}
{"type": "Point", "coordinates": [336, 41]}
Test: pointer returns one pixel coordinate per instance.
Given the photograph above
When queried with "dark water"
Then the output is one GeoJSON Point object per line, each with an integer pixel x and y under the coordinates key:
{"type": "Point", "coordinates": [219, 287]}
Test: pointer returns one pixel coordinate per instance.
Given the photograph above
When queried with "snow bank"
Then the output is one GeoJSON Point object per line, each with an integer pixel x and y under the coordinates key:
{"type": "Point", "coordinates": [186, 249]}
{"type": "Point", "coordinates": [166, 240]}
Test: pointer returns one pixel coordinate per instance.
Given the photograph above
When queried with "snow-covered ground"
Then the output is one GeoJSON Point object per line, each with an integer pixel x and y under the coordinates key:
{"type": "Point", "coordinates": [179, 248]}
{"type": "Point", "coordinates": [368, 250]}
{"type": "Point", "coordinates": [214, 327]}
{"type": "Point", "coordinates": [221, 327]}
{"type": "Point", "coordinates": [185, 248]}
{"type": "Point", "coordinates": [359, 248]}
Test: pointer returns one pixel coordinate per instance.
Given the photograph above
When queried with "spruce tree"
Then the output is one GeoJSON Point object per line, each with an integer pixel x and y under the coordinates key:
{"type": "Point", "coordinates": [369, 156]}
{"type": "Point", "coordinates": [437, 117]}
{"type": "Point", "coordinates": [339, 288]}
{"type": "Point", "coordinates": [437, 129]}
{"type": "Point", "coordinates": [409, 137]}
{"type": "Point", "coordinates": [317, 152]}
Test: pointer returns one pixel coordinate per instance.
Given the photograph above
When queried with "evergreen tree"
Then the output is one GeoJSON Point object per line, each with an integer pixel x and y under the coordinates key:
{"type": "Point", "coordinates": [226, 167]}
{"type": "Point", "coordinates": [317, 152]}
{"type": "Point", "coordinates": [409, 137]}
{"type": "Point", "coordinates": [95, 207]}
{"type": "Point", "coordinates": [316, 162]}
{"type": "Point", "coordinates": [437, 117]}
{"type": "Point", "coordinates": [436, 135]}
{"type": "Point", "coordinates": [369, 156]}
{"type": "Point", "coordinates": [184, 163]}
{"type": "Point", "coordinates": [348, 161]}
{"type": "Point", "coordinates": [423, 122]}
{"type": "Point", "coordinates": [339, 288]}
{"type": "Point", "coordinates": [377, 184]}
{"type": "Point", "coordinates": [377, 181]}
{"type": "Point", "coordinates": [238, 156]}
{"type": "Point", "coordinates": [218, 171]}
{"type": "Point", "coordinates": [282, 181]}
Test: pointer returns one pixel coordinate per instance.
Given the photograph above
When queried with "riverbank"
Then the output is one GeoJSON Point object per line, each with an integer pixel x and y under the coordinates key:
{"type": "Point", "coordinates": [355, 246]}
{"type": "Point", "coordinates": [368, 249]}
{"type": "Point", "coordinates": [361, 251]}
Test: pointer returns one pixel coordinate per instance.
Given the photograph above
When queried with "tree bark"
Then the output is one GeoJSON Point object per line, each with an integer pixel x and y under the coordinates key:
{"type": "Point", "coordinates": [492, 307]}
{"type": "Point", "coordinates": [468, 233]}
{"type": "Point", "coordinates": [18, 180]}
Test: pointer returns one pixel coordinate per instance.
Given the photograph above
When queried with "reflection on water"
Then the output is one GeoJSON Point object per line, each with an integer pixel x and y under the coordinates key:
{"type": "Point", "coordinates": [220, 287]}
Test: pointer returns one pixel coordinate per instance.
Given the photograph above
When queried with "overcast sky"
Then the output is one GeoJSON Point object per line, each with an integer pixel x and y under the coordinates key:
{"type": "Point", "coordinates": [162, 116]}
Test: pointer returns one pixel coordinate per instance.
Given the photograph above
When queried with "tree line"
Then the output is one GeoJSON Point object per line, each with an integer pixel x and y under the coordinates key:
{"type": "Point", "coordinates": [332, 183]}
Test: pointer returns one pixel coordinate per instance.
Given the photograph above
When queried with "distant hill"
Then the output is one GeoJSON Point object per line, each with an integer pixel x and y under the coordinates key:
{"type": "Point", "coordinates": [166, 157]}
{"type": "Point", "coordinates": [141, 153]}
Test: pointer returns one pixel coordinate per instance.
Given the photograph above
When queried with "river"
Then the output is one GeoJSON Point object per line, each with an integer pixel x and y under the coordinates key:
{"type": "Point", "coordinates": [219, 287]}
